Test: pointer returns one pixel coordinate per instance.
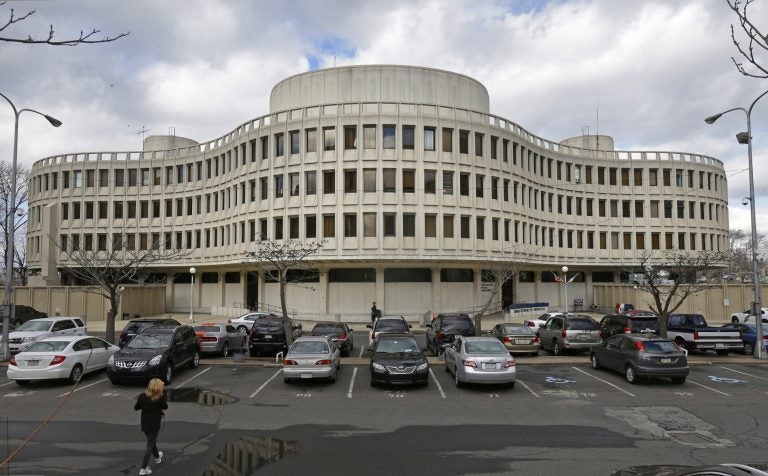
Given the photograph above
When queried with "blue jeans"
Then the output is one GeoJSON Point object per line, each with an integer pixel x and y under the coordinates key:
{"type": "Point", "coordinates": [151, 448]}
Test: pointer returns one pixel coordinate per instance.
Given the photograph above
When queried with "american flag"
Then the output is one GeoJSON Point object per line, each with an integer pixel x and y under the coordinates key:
{"type": "Point", "coordinates": [558, 279]}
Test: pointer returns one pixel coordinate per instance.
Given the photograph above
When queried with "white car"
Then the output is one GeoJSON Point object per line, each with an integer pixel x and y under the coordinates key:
{"type": "Point", "coordinates": [746, 316]}
{"type": "Point", "coordinates": [60, 357]}
{"type": "Point", "coordinates": [541, 320]}
{"type": "Point", "coordinates": [36, 329]}
{"type": "Point", "coordinates": [244, 323]}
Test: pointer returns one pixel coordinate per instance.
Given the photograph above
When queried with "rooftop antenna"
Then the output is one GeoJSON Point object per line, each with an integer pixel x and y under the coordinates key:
{"type": "Point", "coordinates": [597, 121]}
{"type": "Point", "coordinates": [141, 132]}
{"type": "Point", "coordinates": [334, 60]}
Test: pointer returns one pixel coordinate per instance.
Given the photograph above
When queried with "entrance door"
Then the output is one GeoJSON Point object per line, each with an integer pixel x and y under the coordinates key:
{"type": "Point", "coordinates": [252, 290]}
{"type": "Point", "coordinates": [508, 293]}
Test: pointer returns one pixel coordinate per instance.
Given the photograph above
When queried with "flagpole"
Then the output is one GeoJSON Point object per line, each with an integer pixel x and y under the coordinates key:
{"type": "Point", "coordinates": [565, 287]}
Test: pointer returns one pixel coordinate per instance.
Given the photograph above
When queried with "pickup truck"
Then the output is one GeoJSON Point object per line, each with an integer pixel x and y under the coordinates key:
{"type": "Point", "coordinates": [692, 332]}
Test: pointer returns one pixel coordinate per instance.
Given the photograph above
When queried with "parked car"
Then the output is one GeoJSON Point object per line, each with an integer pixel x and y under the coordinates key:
{"type": "Point", "coordinates": [541, 320]}
{"type": "Point", "coordinates": [571, 332]}
{"type": "Point", "coordinates": [135, 326]}
{"type": "Point", "coordinates": [36, 329]}
{"type": "Point", "coordinates": [219, 338]}
{"type": "Point", "coordinates": [60, 357]}
{"type": "Point", "coordinates": [692, 332]}
{"type": "Point", "coordinates": [396, 359]}
{"type": "Point", "coordinates": [244, 323]}
{"type": "Point", "coordinates": [155, 352]}
{"type": "Point", "coordinates": [746, 316]}
{"type": "Point", "coordinates": [340, 333]}
{"type": "Point", "coordinates": [268, 334]}
{"type": "Point", "coordinates": [445, 327]}
{"type": "Point", "coordinates": [392, 324]}
{"type": "Point", "coordinates": [748, 336]}
{"type": "Point", "coordinates": [518, 338]}
{"type": "Point", "coordinates": [312, 357]}
{"type": "Point", "coordinates": [640, 355]}
{"type": "Point", "coordinates": [479, 360]}
{"type": "Point", "coordinates": [22, 314]}
{"type": "Point", "coordinates": [643, 323]}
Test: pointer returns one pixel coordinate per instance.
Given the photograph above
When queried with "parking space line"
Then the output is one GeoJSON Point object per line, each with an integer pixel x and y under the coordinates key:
{"type": "Point", "coordinates": [439, 387]}
{"type": "Point", "coordinates": [352, 382]}
{"type": "Point", "coordinates": [605, 382]}
{"type": "Point", "coordinates": [529, 389]}
{"type": "Point", "coordinates": [7, 383]}
{"type": "Point", "coordinates": [265, 383]}
{"type": "Point", "coordinates": [361, 351]}
{"type": "Point", "coordinates": [192, 378]}
{"type": "Point", "coordinates": [83, 387]}
{"type": "Point", "coordinates": [743, 373]}
{"type": "Point", "coordinates": [708, 388]}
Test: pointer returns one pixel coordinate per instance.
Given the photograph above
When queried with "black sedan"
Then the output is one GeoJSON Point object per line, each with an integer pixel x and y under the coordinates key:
{"type": "Point", "coordinates": [397, 358]}
{"type": "Point", "coordinates": [639, 355]}
{"type": "Point", "coordinates": [339, 332]}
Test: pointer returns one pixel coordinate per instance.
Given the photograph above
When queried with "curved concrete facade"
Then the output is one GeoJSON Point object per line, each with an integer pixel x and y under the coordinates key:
{"type": "Point", "coordinates": [414, 185]}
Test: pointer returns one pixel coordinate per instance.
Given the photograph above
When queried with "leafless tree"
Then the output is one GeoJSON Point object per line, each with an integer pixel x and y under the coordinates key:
{"type": "Point", "coordinates": [111, 267]}
{"type": "Point", "coordinates": [20, 208]}
{"type": "Point", "coordinates": [673, 275]}
{"type": "Point", "coordinates": [497, 273]}
{"type": "Point", "coordinates": [83, 39]}
{"type": "Point", "coordinates": [740, 263]}
{"type": "Point", "coordinates": [277, 258]}
{"type": "Point", "coordinates": [755, 52]}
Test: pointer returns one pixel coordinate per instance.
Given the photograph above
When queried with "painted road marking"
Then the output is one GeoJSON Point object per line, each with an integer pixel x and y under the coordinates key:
{"type": "Point", "coordinates": [265, 383]}
{"type": "Point", "coordinates": [439, 387]}
{"type": "Point", "coordinates": [7, 383]}
{"type": "Point", "coordinates": [303, 395]}
{"type": "Point", "coordinates": [715, 378]}
{"type": "Point", "coordinates": [568, 394]}
{"type": "Point", "coordinates": [743, 373]}
{"type": "Point", "coordinates": [352, 382]}
{"type": "Point", "coordinates": [528, 388]}
{"type": "Point", "coordinates": [605, 382]}
{"type": "Point", "coordinates": [708, 388]}
{"type": "Point", "coordinates": [558, 380]}
{"type": "Point", "coordinates": [192, 378]}
{"type": "Point", "coordinates": [83, 387]}
{"type": "Point", "coordinates": [396, 394]}
{"type": "Point", "coordinates": [362, 348]}
{"type": "Point", "coordinates": [19, 393]}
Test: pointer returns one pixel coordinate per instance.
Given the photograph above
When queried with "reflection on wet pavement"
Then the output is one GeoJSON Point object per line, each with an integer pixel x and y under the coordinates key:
{"type": "Point", "coordinates": [197, 395]}
{"type": "Point", "coordinates": [242, 457]}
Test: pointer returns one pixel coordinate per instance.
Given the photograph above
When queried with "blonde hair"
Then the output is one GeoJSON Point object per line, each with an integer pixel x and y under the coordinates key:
{"type": "Point", "coordinates": [155, 389]}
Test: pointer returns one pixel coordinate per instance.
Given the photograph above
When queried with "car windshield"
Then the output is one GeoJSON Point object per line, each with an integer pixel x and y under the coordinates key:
{"type": "Point", "coordinates": [660, 346]}
{"type": "Point", "coordinates": [48, 346]}
{"type": "Point", "coordinates": [458, 324]}
{"type": "Point", "coordinates": [207, 329]}
{"type": "Point", "coordinates": [35, 326]}
{"type": "Point", "coordinates": [391, 325]}
{"type": "Point", "coordinates": [268, 324]}
{"type": "Point", "coordinates": [326, 330]}
{"type": "Point", "coordinates": [485, 347]}
{"type": "Point", "coordinates": [150, 341]}
{"type": "Point", "coordinates": [401, 346]}
{"type": "Point", "coordinates": [638, 323]}
{"type": "Point", "coordinates": [309, 348]}
{"type": "Point", "coordinates": [581, 324]}
{"type": "Point", "coordinates": [517, 329]}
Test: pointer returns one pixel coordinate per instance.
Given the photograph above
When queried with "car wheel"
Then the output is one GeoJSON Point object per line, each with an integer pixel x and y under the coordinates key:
{"type": "Point", "coordinates": [332, 378]}
{"type": "Point", "coordinates": [511, 385]}
{"type": "Point", "coordinates": [286, 380]}
{"type": "Point", "coordinates": [456, 378]}
{"type": "Point", "coordinates": [595, 363]}
{"type": "Point", "coordinates": [678, 380]}
{"type": "Point", "coordinates": [556, 349]}
{"type": "Point", "coordinates": [76, 374]}
{"type": "Point", "coordinates": [242, 329]}
{"type": "Point", "coordinates": [22, 382]}
{"type": "Point", "coordinates": [735, 320]}
{"type": "Point", "coordinates": [749, 349]}
{"type": "Point", "coordinates": [195, 361]}
{"type": "Point", "coordinates": [373, 382]}
{"type": "Point", "coordinates": [722, 351]}
{"type": "Point", "coordinates": [225, 350]}
{"type": "Point", "coordinates": [630, 375]}
{"type": "Point", "coordinates": [168, 373]}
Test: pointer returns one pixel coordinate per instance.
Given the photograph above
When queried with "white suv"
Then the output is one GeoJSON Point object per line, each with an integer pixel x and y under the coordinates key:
{"type": "Point", "coordinates": [35, 329]}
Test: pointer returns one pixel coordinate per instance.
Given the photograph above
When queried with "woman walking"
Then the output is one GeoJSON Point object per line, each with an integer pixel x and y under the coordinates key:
{"type": "Point", "coordinates": [151, 403]}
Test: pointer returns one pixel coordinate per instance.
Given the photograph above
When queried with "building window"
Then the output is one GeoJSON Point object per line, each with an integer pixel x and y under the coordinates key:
{"type": "Point", "coordinates": [350, 225]}
{"type": "Point", "coordinates": [409, 181]}
{"type": "Point", "coordinates": [311, 185]}
{"type": "Point", "coordinates": [430, 226]}
{"type": "Point", "coordinates": [264, 153]}
{"type": "Point", "coordinates": [480, 228]}
{"type": "Point", "coordinates": [495, 189]}
{"type": "Point", "coordinates": [369, 225]}
{"type": "Point", "coordinates": [464, 226]}
{"type": "Point", "coordinates": [409, 133]}
{"type": "Point", "coordinates": [369, 137]}
{"type": "Point", "coordinates": [329, 226]}
{"type": "Point", "coordinates": [329, 138]}
{"type": "Point", "coordinates": [447, 140]}
{"type": "Point", "coordinates": [429, 181]}
{"type": "Point", "coordinates": [350, 137]}
{"type": "Point", "coordinates": [479, 186]}
{"type": "Point", "coordinates": [463, 142]}
{"type": "Point", "coordinates": [278, 186]}
{"type": "Point", "coordinates": [388, 137]}
{"type": "Point", "coordinates": [390, 179]}
{"type": "Point", "coordinates": [447, 183]}
{"type": "Point", "coordinates": [293, 182]}
{"type": "Point", "coordinates": [464, 185]}
{"type": "Point", "coordinates": [409, 225]}
{"type": "Point", "coordinates": [279, 145]}
{"type": "Point", "coordinates": [293, 228]}
{"type": "Point", "coordinates": [294, 136]}
{"type": "Point", "coordinates": [311, 140]}
{"type": "Point", "coordinates": [310, 226]}
{"type": "Point", "coordinates": [479, 144]}
{"type": "Point", "coordinates": [329, 181]}
{"type": "Point", "coordinates": [119, 178]}
{"type": "Point", "coordinates": [447, 226]}
{"type": "Point", "coordinates": [389, 224]}
{"type": "Point", "coordinates": [429, 138]}
{"type": "Point", "coordinates": [369, 180]}
{"type": "Point", "coordinates": [278, 228]}
{"type": "Point", "coordinates": [350, 181]}
{"type": "Point", "coordinates": [494, 146]}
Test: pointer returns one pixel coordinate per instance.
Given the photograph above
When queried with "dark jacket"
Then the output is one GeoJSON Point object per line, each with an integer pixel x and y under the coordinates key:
{"type": "Point", "coordinates": [151, 412]}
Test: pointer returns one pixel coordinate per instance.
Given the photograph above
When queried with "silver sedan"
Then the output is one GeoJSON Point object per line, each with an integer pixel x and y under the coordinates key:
{"type": "Point", "coordinates": [479, 360]}
{"type": "Point", "coordinates": [312, 357]}
{"type": "Point", "coordinates": [219, 338]}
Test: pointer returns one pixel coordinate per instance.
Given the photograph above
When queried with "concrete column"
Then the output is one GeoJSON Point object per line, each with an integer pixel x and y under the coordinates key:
{"type": "Point", "coordinates": [322, 306]}
{"type": "Point", "coordinates": [222, 293]}
{"type": "Point", "coordinates": [476, 288]}
{"type": "Point", "coordinates": [380, 294]}
{"type": "Point", "coordinates": [589, 298]}
{"type": "Point", "coordinates": [436, 290]}
{"type": "Point", "coordinates": [169, 290]}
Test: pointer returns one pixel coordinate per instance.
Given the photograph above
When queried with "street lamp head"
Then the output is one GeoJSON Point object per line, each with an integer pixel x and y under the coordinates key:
{"type": "Point", "coordinates": [742, 138]}
{"type": "Point", "coordinates": [712, 119]}
{"type": "Point", "coordinates": [745, 200]}
{"type": "Point", "coordinates": [54, 122]}
{"type": "Point", "coordinates": [192, 270]}
{"type": "Point", "coordinates": [565, 269]}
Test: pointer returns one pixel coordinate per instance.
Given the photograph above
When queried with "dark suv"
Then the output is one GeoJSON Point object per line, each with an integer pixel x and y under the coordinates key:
{"type": "Point", "coordinates": [268, 334]}
{"type": "Point", "coordinates": [155, 352]}
{"type": "Point", "coordinates": [135, 326]}
{"type": "Point", "coordinates": [640, 323]}
{"type": "Point", "coordinates": [22, 314]}
{"type": "Point", "coordinates": [445, 327]}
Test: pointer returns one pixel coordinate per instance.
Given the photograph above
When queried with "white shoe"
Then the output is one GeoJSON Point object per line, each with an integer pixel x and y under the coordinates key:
{"type": "Point", "coordinates": [159, 458]}
{"type": "Point", "coordinates": [146, 470]}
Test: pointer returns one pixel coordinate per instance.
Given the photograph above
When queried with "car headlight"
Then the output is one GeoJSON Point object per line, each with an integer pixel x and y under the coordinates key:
{"type": "Point", "coordinates": [155, 360]}
{"type": "Point", "coordinates": [29, 339]}
{"type": "Point", "coordinates": [422, 366]}
{"type": "Point", "coordinates": [111, 360]}
{"type": "Point", "coordinates": [378, 367]}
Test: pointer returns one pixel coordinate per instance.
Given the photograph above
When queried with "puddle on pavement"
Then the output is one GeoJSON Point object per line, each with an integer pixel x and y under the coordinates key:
{"type": "Point", "coordinates": [244, 456]}
{"type": "Point", "coordinates": [201, 396]}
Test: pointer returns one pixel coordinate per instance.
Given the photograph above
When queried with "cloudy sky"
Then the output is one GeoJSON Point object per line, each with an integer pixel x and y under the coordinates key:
{"type": "Point", "coordinates": [646, 72]}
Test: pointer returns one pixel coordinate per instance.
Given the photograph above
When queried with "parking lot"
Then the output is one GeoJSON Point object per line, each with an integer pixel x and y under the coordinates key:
{"type": "Point", "coordinates": [228, 418]}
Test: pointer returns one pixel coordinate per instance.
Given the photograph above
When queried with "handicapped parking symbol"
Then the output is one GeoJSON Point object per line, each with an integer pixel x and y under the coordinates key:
{"type": "Point", "coordinates": [715, 378]}
{"type": "Point", "coordinates": [558, 380]}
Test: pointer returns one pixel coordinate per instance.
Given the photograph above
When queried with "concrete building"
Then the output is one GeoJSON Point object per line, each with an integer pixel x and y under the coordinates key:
{"type": "Point", "coordinates": [413, 183]}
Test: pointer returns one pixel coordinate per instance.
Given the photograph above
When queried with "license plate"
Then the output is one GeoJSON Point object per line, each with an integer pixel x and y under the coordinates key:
{"type": "Point", "coordinates": [666, 360]}
{"type": "Point", "coordinates": [306, 375]}
{"type": "Point", "coordinates": [584, 336]}
{"type": "Point", "coordinates": [522, 341]}
{"type": "Point", "coordinates": [490, 366]}
{"type": "Point", "coordinates": [720, 346]}
{"type": "Point", "coordinates": [268, 337]}
{"type": "Point", "coordinates": [33, 363]}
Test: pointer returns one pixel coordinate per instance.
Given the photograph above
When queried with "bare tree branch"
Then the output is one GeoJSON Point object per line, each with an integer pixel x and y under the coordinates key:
{"type": "Point", "coordinates": [756, 52]}
{"type": "Point", "coordinates": [82, 39]}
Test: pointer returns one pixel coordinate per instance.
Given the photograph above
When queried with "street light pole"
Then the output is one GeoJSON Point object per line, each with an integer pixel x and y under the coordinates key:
{"type": "Point", "coordinates": [11, 212]}
{"type": "Point", "coordinates": [756, 305]}
{"type": "Point", "coordinates": [565, 287]}
{"type": "Point", "coordinates": [191, 294]}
